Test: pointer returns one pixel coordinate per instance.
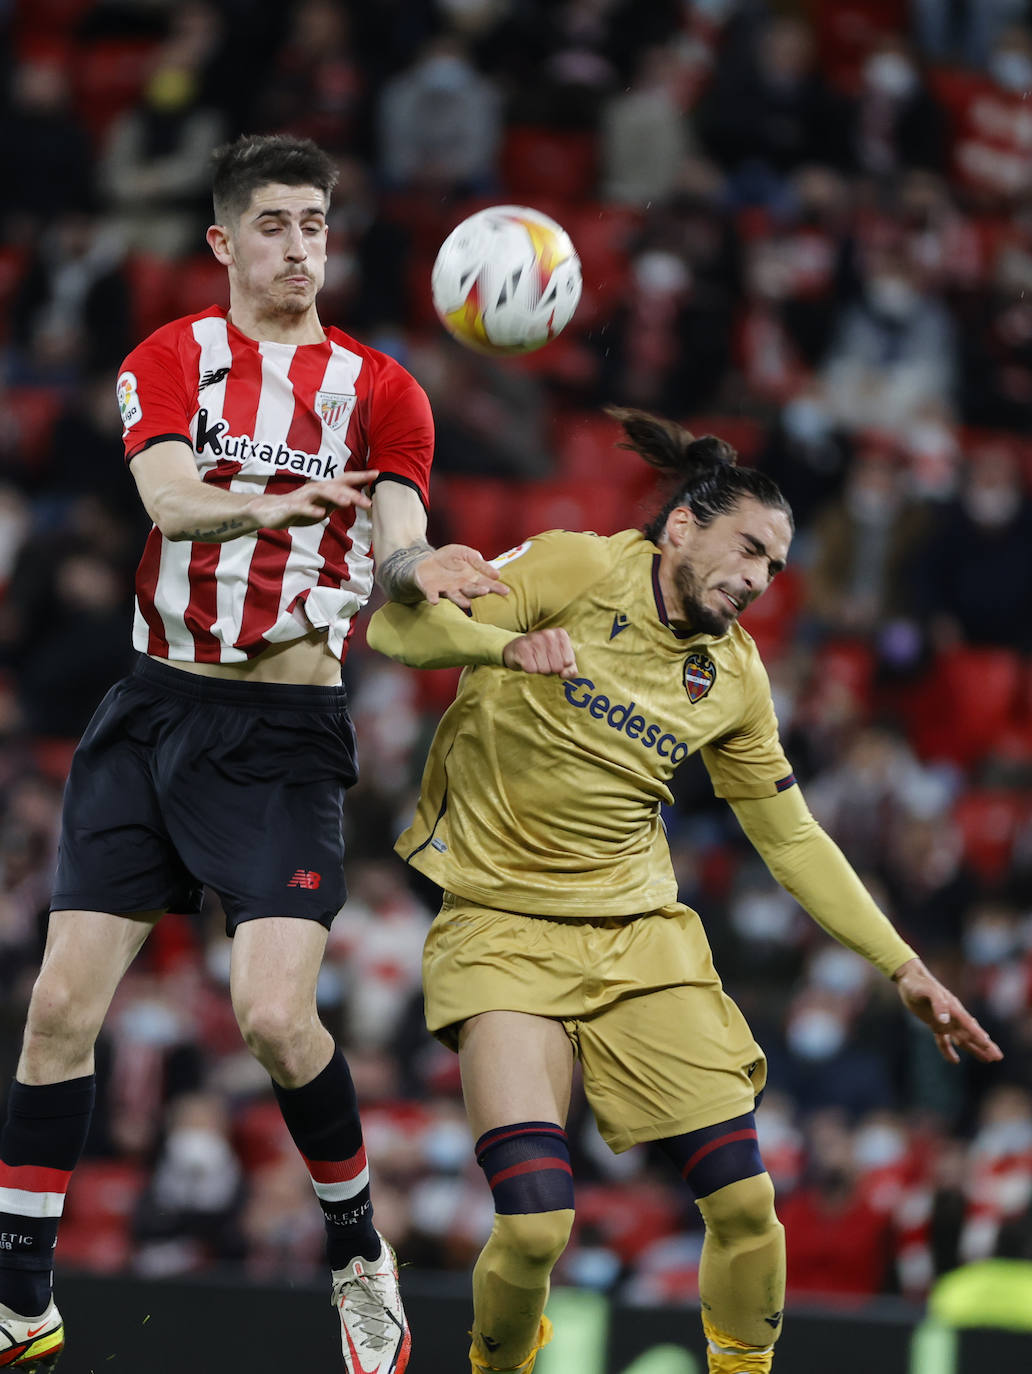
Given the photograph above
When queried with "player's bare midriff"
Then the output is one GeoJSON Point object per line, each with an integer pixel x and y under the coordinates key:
{"type": "Point", "coordinates": [305, 662]}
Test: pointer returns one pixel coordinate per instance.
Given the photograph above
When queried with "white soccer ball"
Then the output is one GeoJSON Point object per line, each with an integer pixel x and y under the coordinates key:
{"type": "Point", "coordinates": [506, 280]}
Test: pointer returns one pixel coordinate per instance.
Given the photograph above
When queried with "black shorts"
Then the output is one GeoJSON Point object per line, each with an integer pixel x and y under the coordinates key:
{"type": "Point", "coordinates": [182, 780]}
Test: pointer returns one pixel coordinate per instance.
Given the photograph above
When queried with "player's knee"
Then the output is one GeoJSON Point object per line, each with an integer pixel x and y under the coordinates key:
{"type": "Point", "coordinates": [274, 1033]}
{"type": "Point", "coordinates": [535, 1238]}
{"type": "Point", "coordinates": [741, 1212]}
{"type": "Point", "coordinates": [60, 1014]}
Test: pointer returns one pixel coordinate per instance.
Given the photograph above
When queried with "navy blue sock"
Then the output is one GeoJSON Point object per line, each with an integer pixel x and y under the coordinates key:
{"type": "Point", "coordinates": [322, 1117]}
{"type": "Point", "coordinates": [714, 1156]}
{"type": "Point", "coordinates": [527, 1166]}
{"type": "Point", "coordinates": [40, 1145]}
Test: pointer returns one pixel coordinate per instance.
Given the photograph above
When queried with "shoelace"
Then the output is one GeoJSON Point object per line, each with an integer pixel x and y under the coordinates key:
{"type": "Point", "coordinates": [368, 1312]}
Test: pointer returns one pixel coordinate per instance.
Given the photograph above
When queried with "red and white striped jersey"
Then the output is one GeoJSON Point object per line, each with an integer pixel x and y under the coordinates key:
{"type": "Point", "coordinates": [265, 417]}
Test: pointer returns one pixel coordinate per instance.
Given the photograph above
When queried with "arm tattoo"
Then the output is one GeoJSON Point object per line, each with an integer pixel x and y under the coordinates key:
{"type": "Point", "coordinates": [397, 573]}
{"type": "Point", "coordinates": [217, 534]}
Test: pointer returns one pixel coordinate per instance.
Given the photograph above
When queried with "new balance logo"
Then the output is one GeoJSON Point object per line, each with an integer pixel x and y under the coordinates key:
{"type": "Point", "coordinates": [304, 877]}
{"type": "Point", "coordinates": [210, 378]}
{"type": "Point", "coordinates": [620, 622]}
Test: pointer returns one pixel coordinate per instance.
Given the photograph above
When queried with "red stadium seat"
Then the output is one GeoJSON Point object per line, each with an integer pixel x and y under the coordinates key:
{"type": "Point", "coordinates": [988, 820]}
{"type": "Point", "coordinates": [95, 1230]}
{"type": "Point", "coordinates": [574, 506]}
{"type": "Point", "coordinates": [482, 511]}
{"type": "Point", "coordinates": [771, 620]}
{"type": "Point", "coordinates": [602, 235]}
{"type": "Point", "coordinates": [964, 706]}
{"type": "Point", "coordinates": [587, 449]}
{"type": "Point", "coordinates": [107, 77]}
{"type": "Point", "coordinates": [538, 161]}
{"type": "Point", "coordinates": [153, 284]}
{"type": "Point", "coordinates": [34, 410]}
{"type": "Point", "coordinates": [12, 267]}
{"type": "Point", "coordinates": [744, 434]}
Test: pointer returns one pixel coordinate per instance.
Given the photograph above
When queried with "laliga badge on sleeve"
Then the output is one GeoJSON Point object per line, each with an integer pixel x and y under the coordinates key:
{"type": "Point", "coordinates": [511, 555]}
{"type": "Point", "coordinates": [128, 400]}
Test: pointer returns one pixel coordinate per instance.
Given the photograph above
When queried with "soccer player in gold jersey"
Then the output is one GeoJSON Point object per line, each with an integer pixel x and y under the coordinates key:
{"type": "Point", "coordinates": [560, 936]}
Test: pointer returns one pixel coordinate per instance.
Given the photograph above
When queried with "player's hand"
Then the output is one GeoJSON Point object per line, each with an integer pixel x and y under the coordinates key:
{"type": "Point", "coordinates": [542, 651]}
{"type": "Point", "coordinates": [954, 1026]}
{"type": "Point", "coordinates": [314, 501]}
{"type": "Point", "coordinates": [457, 573]}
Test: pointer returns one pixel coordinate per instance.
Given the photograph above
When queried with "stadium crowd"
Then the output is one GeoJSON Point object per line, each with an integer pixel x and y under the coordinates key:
{"type": "Point", "coordinates": [805, 228]}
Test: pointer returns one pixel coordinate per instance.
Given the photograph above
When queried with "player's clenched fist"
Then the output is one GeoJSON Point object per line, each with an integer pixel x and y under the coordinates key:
{"type": "Point", "coordinates": [314, 501]}
{"type": "Point", "coordinates": [542, 651]}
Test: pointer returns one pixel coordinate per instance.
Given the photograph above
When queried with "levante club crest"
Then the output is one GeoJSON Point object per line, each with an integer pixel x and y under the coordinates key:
{"type": "Point", "coordinates": [700, 673]}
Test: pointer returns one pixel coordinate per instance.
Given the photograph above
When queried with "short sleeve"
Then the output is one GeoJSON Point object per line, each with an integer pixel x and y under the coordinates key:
{"type": "Point", "coordinates": [749, 762]}
{"type": "Point", "coordinates": [545, 573]}
{"type": "Point", "coordinates": [153, 398]}
{"type": "Point", "coordinates": [401, 430]}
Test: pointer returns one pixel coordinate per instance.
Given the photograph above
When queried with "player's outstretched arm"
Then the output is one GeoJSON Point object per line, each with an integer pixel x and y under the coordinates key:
{"type": "Point", "coordinates": [441, 636]}
{"type": "Point", "coordinates": [409, 569]}
{"type": "Point", "coordinates": [184, 507]}
{"type": "Point", "coordinates": [952, 1024]}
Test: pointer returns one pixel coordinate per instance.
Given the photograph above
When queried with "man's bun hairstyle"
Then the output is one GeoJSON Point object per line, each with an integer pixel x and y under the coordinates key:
{"type": "Point", "coordinates": [703, 473]}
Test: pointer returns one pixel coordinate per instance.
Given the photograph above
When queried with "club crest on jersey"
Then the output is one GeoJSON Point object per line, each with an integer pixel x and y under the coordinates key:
{"type": "Point", "coordinates": [700, 673]}
{"type": "Point", "coordinates": [334, 407]}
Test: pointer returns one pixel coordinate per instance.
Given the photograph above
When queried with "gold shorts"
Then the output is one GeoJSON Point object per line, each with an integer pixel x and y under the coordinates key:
{"type": "Point", "coordinates": [662, 1048]}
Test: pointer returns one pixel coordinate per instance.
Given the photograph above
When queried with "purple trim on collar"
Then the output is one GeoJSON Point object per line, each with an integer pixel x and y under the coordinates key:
{"type": "Point", "coordinates": [661, 609]}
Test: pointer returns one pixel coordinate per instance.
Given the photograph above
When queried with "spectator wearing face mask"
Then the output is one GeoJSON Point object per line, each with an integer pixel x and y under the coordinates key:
{"type": "Point", "coordinates": [895, 122]}
{"type": "Point", "coordinates": [895, 350]}
{"type": "Point", "coordinates": [863, 542]}
{"type": "Point", "coordinates": [975, 583]}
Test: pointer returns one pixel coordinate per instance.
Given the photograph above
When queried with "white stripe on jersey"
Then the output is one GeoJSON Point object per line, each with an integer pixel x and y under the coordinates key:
{"type": "Point", "coordinates": [341, 1192]}
{"type": "Point", "coordinates": [21, 1203]}
{"type": "Point", "coordinates": [275, 413]}
{"type": "Point", "coordinates": [305, 562]}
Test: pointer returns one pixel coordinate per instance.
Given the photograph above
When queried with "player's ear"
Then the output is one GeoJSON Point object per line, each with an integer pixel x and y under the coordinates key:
{"type": "Point", "coordinates": [218, 242]}
{"type": "Point", "coordinates": [680, 523]}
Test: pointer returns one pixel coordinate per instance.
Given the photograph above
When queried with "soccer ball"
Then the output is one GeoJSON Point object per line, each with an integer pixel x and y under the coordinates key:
{"type": "Point", "coordinates": [506, 280]}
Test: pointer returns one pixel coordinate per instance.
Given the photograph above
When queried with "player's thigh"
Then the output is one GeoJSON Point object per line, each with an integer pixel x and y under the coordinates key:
{"type": "Point", "coordinates": [274, 969]}
{"type": "Point", "coordinates": [515, 1067]}
{"type": "Point", "coordinates": [85, 958]}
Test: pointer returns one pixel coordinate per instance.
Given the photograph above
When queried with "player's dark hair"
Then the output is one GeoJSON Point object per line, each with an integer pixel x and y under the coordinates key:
{"type": "Point", "coordinates": [703, 473]}
{"type": "Point", "coordinates": [255, 160]}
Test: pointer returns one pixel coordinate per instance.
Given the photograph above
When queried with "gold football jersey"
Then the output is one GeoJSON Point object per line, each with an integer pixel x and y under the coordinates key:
{"type": "Point", "coordinates": [544, 796]}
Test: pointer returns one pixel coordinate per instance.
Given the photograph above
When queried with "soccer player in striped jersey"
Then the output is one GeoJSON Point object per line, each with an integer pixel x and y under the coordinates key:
{"type": "Point", "coordinates": [560, 936]}
{"type": "Point", "coordinates": [273, 453]}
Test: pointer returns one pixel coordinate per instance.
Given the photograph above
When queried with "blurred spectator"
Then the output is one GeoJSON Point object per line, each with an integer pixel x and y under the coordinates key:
{"type": "Point", "coordinates": [316, 88]}
{"type": "Point", "coordinates": [770, 110]}
{"type": "Point", "coordinates": [188, 1215]}
{"type": "Point", "coordinates": [440, 124]}
{"type": "Point", "coordinates": [863, 544]}
{"type": "Point", "coordinates": [807, 455]}
{"type": "Point", "coordinates": [488, 418]}
{"type": "Point", "coordinates": [45, 157]}
{"type": "Point", "coordinates": [71, 313]}
{"type": "Point", "coordinates": [895, 350]}
{"type": "Point", "coordinates": [645, 133]}
{"type": "Point", "coordinates": [155, 164]}
{"type": "Point", "coordinates": [829, 1205]}
{"type": "Point", "coordinates": [963, 30]}
{"type": "Point", "coordinates": [996, 344]}
{"type": "Point", "coordinates": [895, 122]}
{"type": "Point", "coordinates": [821, 1061]}
{"type": "Point", "coordinates": [976, 571]}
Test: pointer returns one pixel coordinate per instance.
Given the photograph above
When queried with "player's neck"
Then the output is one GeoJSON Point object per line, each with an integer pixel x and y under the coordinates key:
{"type": "Point", "coordinates": [278, 328]}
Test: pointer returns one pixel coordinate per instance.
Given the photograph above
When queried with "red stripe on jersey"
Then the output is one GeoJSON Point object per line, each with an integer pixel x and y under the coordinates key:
{"type": "Point", "coordinates": [338, 1170]}
{"type": "Point", "coordinates": [32, 1178]}
{"type": "Point", "coordinates": [146, 584]}
{"type": "Point", "coordinates": [530, 1166]}
{"type": "Point", "coordinates": [712, 1145]}
{"type": "Point", "coordinates": [265, 582]}
{"type": "Point", "coordinates": [240, 411]}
